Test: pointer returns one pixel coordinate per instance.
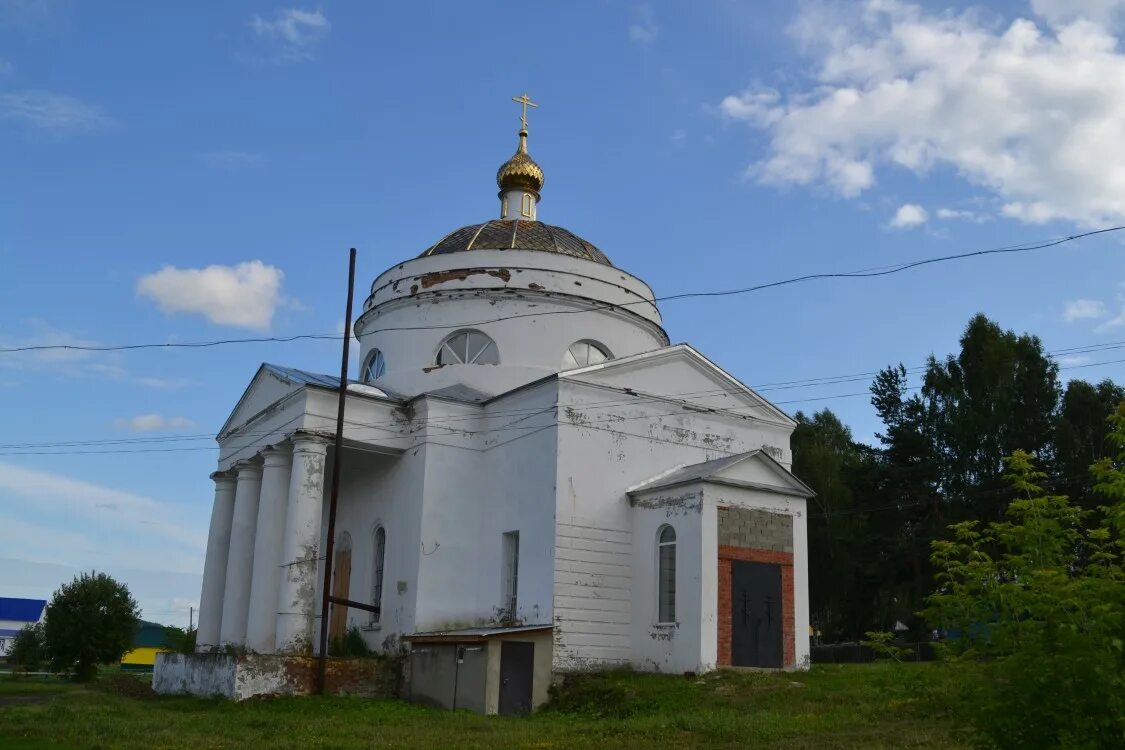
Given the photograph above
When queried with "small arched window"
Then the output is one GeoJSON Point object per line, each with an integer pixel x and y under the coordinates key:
{"type": "Point", "coordinates": [468, 348]}
{"type": "Point", "coordinates": [666, 575]}
{"type": "Point", "coordinates": [582, 353]}
{"type": "Point", "coordinates": [373, 367]}
{"type": "Point", "coordinates": [527, 206]}
{"type": "Point", "coordinates": [377, 573]}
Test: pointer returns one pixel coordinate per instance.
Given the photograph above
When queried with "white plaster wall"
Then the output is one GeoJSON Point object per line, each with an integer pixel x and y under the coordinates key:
{"type": "Point", "coordinates": [676, 648]}
{"type": "Point", "coordinates": [608, 443]}
{"type": "Point", "coordinates": [477, 487]}
{"type": "Point", "coordinates": [479, 290]}
{"type": "Point", "coordinates": [195, 674]}
{"type": "Point", "coordinates": [382, 491]}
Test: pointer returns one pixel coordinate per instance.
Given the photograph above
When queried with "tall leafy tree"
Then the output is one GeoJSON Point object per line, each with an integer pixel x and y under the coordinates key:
{"type": "Point", "coordinates": [1036, 603]}
{"type": "Point", "coordinates": [89, 621]}
{"type": "Point", "coordinates": [1082, 433]}
{"type": "Point", "coordinates": [827, 459]}
{"type": "Point", "coordinates": [996, 397]}
{"type": "Point", "coordinates": [908, 485]}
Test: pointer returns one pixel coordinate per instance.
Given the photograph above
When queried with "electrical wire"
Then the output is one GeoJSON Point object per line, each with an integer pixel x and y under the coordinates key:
{"type": "Point", "coordinates": [7, 449]}
{"type": "Point", "coordinates": [869, 273]}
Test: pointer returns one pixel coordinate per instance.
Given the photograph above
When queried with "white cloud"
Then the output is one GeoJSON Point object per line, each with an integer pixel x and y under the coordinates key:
{"type": "Point", "coordinates": [69, 362]}
{"type": "Point", "coordinates": [52, 112]}
{"type": "Point", "coordinates": [69, 499]}
{"type": "Point", "coordinates": [245, 295]}
{"type": "Point", "coordinates": [1035, 115]}
{"type": "Point", "coordinates": [1063, 12]}
{"type": "Point", "coordinates": [644, 28]}
{"type": "Point", "coordinates": [909, 215]}
{"type": "Point", "coordinates": [1073, 360]}
{"type": "Point", "coordinates": [1083, 309]}
{"type": "Point", "coordinates": [151, 422]}
{"type": "Point", "coordinates": [951, 214]}
{"type": "Point", "coordinates": [291, 34]}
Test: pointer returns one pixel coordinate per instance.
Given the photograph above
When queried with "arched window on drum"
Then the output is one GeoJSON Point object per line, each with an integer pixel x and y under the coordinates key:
{"type": "Point", "coordinates": [583, 353]}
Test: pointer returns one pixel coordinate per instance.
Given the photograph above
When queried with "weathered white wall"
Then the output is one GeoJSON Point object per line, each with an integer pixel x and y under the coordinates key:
{"type": "Point", "coordinates": [610, 441]}
{"type": "Point", "coordinates": [478, 487]}
{"type": "Point", "coordinates": [194, 674]}
{"type": "Point", "coordinates": [430, 298]}
{"type": "Point", "coordinates": [382, 491]}
{"type": "Point", "coordinates": [679, 647]}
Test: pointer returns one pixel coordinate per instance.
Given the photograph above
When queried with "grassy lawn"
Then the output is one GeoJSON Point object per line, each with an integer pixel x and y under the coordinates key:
{"type": "Point", "coordinates": [842, 706]}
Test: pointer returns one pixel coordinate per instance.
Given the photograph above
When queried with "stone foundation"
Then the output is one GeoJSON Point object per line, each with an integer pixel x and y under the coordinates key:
{"type": "Point", "coordinates": [245, 676]}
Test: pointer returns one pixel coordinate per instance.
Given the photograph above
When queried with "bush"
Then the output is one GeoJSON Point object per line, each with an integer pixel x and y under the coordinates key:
{"type": "Point", "coordinates": [351, 646]}
{"type": "Point", "coordinates": [90, 621]}
{"type": "Point", "coordinates": [1035, 606]}
{"type": "Point", "coordinates": [180, 641]}
{"type": "Point", "coordinates": [595, 694]}
{"type": "Point", "coordinates": [27, 651]}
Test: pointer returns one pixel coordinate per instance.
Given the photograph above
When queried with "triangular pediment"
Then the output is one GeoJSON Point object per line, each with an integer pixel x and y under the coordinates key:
{"type": "Point", "coordinates": [268, 386]}
{"type": "Point", "coordinates": [753, 469]}
{"type": "Point", "coordinates": [682, 373]}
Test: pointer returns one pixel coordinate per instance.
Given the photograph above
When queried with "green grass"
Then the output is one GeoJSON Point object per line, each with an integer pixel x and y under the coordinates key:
{"type": "Point", "coordinates": [843, 706]}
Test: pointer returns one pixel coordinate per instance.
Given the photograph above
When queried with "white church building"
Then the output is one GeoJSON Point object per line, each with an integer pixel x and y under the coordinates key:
{"type": "Point", "coordinates": [526, 459]}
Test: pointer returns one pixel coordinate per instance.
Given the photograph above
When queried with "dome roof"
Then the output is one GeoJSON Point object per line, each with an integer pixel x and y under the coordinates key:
{"type": "Point", "coordinates": [520, 172]}
{"type": "Point", "coordinates": [500, 234]}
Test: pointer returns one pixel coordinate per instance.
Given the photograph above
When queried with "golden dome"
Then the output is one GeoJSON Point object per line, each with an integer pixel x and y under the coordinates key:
{"type": "Point", "coordinates": [520, 172]}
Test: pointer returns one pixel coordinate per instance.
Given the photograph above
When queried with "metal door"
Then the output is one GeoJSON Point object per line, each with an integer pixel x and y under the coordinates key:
{"type": "Point", "coordinates": [517, 666]}
{"type": "Point", "coordinates": [756, 614]}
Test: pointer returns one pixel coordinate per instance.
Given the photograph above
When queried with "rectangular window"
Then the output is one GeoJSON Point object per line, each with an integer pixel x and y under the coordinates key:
{"type": "Point", "coordinates": [527, 207]}
{"type": "Point", "coordinates": [511, 551]}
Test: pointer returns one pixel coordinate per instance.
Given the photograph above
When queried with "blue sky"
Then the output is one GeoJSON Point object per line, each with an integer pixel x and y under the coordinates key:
{"type": "Point", "coordinates": [702, 146]}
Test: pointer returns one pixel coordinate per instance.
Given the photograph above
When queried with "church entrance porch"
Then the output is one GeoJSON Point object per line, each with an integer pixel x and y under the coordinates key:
{"type": "Point", "coordinates": [755, 589]}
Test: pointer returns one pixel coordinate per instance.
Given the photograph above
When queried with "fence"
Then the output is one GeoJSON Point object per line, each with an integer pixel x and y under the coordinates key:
{"type": "Point", "coordinates": [853, 653]}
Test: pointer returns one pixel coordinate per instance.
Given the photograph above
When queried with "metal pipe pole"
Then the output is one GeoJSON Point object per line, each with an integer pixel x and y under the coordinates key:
{"type": "Point", "coordinates": [337, 459]}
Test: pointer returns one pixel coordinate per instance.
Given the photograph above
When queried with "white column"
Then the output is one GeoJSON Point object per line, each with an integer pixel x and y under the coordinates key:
{"type": "Point", "coordinates": [240, 560]}
{"type": "Point", "coordinates": [261, 625]}
{"type": "Point", "coordinates": [215, 564]}
{"type": "Point", "coordinates": [296, 602]}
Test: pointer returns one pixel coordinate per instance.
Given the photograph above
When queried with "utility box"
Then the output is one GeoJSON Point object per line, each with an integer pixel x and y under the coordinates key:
{"type": "Point", "coordinates": [486, 670]}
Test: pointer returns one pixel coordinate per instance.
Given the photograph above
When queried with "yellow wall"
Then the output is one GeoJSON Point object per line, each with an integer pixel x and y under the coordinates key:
{"type": "Point", "coordinates": [143, 656]}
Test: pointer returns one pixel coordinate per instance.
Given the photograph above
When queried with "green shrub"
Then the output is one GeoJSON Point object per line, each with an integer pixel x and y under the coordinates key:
{"type": "Point", "coordinates": [598, 695]}
{"type": "Point", "coordinates": [89, 621]}
{"type": "Point", "coordinates": [1036, 608]}
{"type": "Point", "coordinates": [27, 651]}
{"type": "Point", "coordinates": [351, 646]}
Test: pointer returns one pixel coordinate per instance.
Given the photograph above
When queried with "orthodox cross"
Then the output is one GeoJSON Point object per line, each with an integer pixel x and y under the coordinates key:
{"type": "Point", "coordinates": [526, 102]}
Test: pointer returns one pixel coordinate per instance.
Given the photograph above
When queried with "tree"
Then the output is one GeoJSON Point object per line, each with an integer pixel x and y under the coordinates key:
{"type": "Point", "coordinates": [843, 563]}
{"type": "Point", "coordinates": [1035, 605]}
{"type": "Point", "coordinates": [1082, 436]}
{"type": "Point", "coordinates": [90, 621]}
{"type": "Point", "coordinates": [179, 640]}
{"type": "Point", "coordinates": [911, 507]}
{"type": "Point", "coordinates": [996, 397]}
{"type": "Point", "coordinates": [27, 647]}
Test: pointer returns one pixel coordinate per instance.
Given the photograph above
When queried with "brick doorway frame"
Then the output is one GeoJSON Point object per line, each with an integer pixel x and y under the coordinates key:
{"type": "Point", "coordinates": [785, 560]}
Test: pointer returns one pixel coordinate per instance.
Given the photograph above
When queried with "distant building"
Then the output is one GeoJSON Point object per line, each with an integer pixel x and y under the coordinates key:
{"type": "Point", "coordinates": [149, 641]}
{"type": "Point", "coordinates": [15, 614]}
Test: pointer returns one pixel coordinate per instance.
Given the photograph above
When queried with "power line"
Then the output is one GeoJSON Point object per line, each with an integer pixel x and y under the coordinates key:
{"type": "Point", "coordinates": [7, 449]}
{"type": "Point", "coordinates": [868, 273]}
